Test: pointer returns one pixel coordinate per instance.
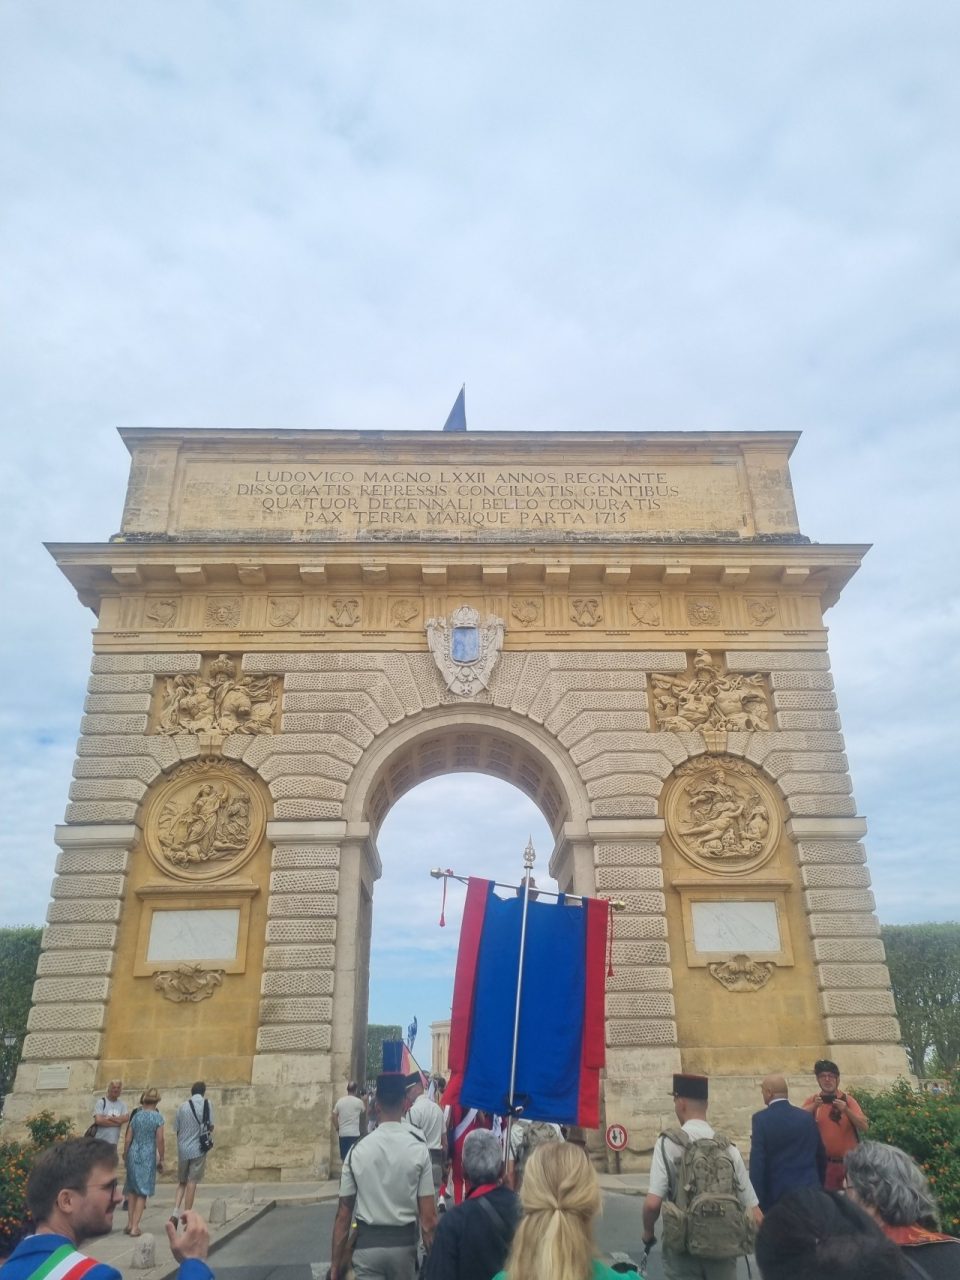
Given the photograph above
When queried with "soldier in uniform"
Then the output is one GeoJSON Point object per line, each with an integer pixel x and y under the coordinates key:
{"type": "Point", "coordinates": [386, 1187]}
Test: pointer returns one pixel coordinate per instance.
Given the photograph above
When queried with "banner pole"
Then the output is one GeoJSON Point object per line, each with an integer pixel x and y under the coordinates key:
{"type": "Point", "coordinates": [529, 857]}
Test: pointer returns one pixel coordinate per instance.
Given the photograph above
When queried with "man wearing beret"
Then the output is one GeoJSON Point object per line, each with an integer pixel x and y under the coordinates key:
{"type": "Point", "coordinates": [386, 1186]}
{"type": "Point", "coordinates": [690, 1095]}
{"type": "Point", "coordinates": [839, 1119]}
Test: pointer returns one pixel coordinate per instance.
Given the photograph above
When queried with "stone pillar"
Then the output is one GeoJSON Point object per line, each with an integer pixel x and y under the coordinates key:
{"type": "Point", "coordinates": [359, 867]}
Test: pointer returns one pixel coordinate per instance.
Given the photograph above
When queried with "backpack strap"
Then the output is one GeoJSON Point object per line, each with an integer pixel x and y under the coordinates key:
{"type": "Point", "coordinates": [503, 1228]}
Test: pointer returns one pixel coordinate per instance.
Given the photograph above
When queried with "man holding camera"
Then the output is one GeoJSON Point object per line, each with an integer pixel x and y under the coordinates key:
{"type": "Point", "coordinates": [839, 1119]}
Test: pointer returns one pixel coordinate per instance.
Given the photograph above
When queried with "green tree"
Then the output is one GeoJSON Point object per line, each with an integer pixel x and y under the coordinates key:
{"type": "Point", "coordinates": [19, 953]}
{"type": "Point", "coordinates": [376, 1034]}
{"type": "Point", "coordinates": [924, 963]}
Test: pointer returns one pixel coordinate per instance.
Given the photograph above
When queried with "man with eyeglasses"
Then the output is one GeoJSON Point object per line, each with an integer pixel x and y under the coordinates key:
{"type": "Point", "coordinates": [72, 1192]}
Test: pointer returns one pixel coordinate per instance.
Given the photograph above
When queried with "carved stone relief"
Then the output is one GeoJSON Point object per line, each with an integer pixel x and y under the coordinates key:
{"type": "Point", "coordinates": [709, 698]}
{"type": "Point", "coordinates": [204, 822]}
{"type": "Point", "coordinates": [526, 612]}
{"type": "Point", "coordinates": [703, 611]}
{"type": "Point", "coordinates": [344, 612]}
{"type": "Point", "coordinates": [188, 982]}
{"type": "Point", "coordinates": [761, 609]}
{"type": "Point", "coordinates": [465, 651]}
{"type": "Point", "coordinates": [403, 612]}
{"type": "Point", "coordinates": [224, 611]}
{"type": "Point", "coordinates": [283, 611]}
{"type": "Point", "coordinates": [162, 611]}
{"type": "Point", "coordinates": [586, 611]}
{"type": "Point", "coordinates": [220, 700]}
{"type": "Point", "coordinates": [740, 973]}
{"type": "Point", "coordinates": [722, 816]}
{"type": "Point", "coordinates": [646, 610]}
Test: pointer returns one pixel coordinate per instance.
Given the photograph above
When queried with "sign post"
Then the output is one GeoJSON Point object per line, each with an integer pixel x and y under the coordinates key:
{"type": "Point", "coordinates": [616, 1139]}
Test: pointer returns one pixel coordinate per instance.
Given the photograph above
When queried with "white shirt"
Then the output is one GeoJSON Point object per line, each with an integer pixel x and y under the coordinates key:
{"type": "Point", "coordinates": [428, 1118]}
{"type": "Point", "coordinates": [660, 1178]}
{"type": "Point", "coordinates": [110, 1132]}
{"type": "Point", "coordinates": [348, 1111]}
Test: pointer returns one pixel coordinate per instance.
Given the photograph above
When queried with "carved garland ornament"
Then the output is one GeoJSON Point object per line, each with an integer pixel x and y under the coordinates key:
{"type": "Point", "coordinates": [722, 816]}
{"type": "Point", "coordinates": [204, 822]}
{"type": "Point", "coordinates": [709, 699]}
{"type": "Point", "coordinates": [740, 973]}
{"type": "Point", "coordinates": [465, 651]}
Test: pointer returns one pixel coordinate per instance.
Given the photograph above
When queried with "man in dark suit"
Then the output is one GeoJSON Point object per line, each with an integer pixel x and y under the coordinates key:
{"type": "Point", "coordinates": [786, 1150]}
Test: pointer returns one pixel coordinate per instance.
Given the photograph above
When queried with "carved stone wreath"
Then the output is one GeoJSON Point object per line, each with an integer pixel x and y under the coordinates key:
{"type": "Point", "coordinates": [722, 816]}
{"type": "Point", "coordinates": [204, 822]}
{"type": "Point", "coordinates": [740, 973]}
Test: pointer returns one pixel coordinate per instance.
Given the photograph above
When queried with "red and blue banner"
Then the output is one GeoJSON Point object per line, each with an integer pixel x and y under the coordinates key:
{"type": "Point", "coordinates": [560, 1048]}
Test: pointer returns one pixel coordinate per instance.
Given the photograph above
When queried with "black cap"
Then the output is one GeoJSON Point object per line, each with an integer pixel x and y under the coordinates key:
{"type": "Point", "coordinates": [693, 1087]}
{"type": "Point", "coordinates": [391, 1086]}
{"type": "Point", "coordinates": [824, 1064]}
{"type": "Point", "coordinates": [414, 1078]}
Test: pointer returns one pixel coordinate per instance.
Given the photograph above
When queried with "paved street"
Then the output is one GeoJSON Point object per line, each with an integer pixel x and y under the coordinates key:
{"type": "Point", "coordinates": [293, 1242]}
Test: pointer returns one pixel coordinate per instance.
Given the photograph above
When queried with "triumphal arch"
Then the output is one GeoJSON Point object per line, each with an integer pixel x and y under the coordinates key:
{"type": "Point", "coordinates": [296, 627]}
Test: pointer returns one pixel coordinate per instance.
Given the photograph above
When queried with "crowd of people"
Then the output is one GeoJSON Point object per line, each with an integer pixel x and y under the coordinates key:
{"type": "Point", "coordinates": [816, 1201]}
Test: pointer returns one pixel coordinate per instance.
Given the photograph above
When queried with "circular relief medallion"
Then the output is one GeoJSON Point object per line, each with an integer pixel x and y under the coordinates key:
{"type": "Point", "coordinates": [722, 816]}
{"type": "Point", "coordinates": [204, 822]}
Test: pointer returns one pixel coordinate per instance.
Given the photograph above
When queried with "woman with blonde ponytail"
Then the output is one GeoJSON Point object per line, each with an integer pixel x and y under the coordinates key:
{"type": "Point", "coordinates": [560, 1196]}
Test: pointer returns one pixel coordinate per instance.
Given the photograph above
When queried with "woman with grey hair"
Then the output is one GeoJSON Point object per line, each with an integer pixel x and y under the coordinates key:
{"type": "Point", "coordinates": [473, 1239]}
{"type": "Point", "coordinates": [890, 1186]}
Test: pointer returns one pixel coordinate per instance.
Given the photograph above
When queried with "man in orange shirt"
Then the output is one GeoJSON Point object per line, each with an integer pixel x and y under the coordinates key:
{"type": "Point", "coordinates": [839, 1119]}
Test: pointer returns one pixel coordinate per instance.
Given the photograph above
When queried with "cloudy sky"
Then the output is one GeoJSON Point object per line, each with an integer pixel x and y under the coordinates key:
{"type": "Point", "coordinates": [626, 215]}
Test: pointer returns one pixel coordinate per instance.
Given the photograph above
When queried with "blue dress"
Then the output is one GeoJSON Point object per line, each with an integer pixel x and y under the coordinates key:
{"type": "Point", "coordinates": [141, 1158]}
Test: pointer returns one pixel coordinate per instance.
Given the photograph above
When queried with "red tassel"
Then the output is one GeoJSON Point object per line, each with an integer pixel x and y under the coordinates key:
{"type": "Point", "coordinates": [610, 942]}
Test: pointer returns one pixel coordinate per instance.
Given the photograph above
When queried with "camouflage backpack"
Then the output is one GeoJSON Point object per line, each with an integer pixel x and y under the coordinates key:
{"type": "Point", "coordinates": [703, 1215]}
{"type": "Point", "coordinates": [535, 1134]}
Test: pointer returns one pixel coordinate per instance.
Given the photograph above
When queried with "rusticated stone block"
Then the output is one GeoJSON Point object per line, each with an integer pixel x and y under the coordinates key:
{"type": "Point", "coordinates": [144, 768]}
{"type": "Point", "coordinates": [293, 1039]}
{"type": "Point", "coordinates": [625, 807]}
{"type": "Point", "coordinates": [72, 862]}
{"type": "Point", "coordinates": [822, 806]}
{"type": "Point", "coordinates": [79, 937]}
{"type": "Point", "coordinates": [779, 763]}
{"type": "Point", "coordinates": [137, 682]}
{"type": "Point", "coordinates": [760, 745]}
{"type": "Point", "coordinates": [749, 660]}
{"type": "Point", "coordinates": [653, 763]}
{"type": "Point", "coordinates": [283, 906]}
{"type": "Point", "coordinates": [800, 680]}
{"type": "Point", "coordinates": [640, 1004]}
{"type": "Point", "coordinates": [638, 953]}
{"type": "Point", "coordinates": [298, 1009]}
{"type": "Point", "coordinates": [158, 663]}
{"type": "Point", "coordinates": [62, 990]}
{"type": "Point", "coordinates": [285, 766]}
{"type": "Point", "coordinates": [640, 927]}
{"type": "Point", "coordinates": [83, 910]}
{"type": "Point", "coordinates": [306, 855]}
{"type": "Point", "coordinates": [304, 882]}
{"type": "Point", "coordinates": [853, 975]}
{"type": "Point", "coordinates": [819, 876]}
{"type": "Point", "coordinates": [73, 886]}
{"type": "Point", "coordinates": [621, 879]}
{"type": "Point", "coordinates": [803, 700]}
{"type": "Point", "coordinates": [158, 746]}
{"type": "Point", "coordinates": [100, 811]}
{"type": "Point", "coordinates": [285, 932]}
{"type": "Point", "coordinates": [342, 722]}
{"type": "Point", "coordinates": [828, 720]}
{"type": "Point", "coordinates": [265, 746]}
{"type": "Point", "coordinates": [294, 957]}
{"type": "Point", "coordinates": [623, 1031]}
{"type": "Point", "coordinates": [639, 660]}
{"type": "Point", "coordinates": [815, 784]}
{"type": "Point", "coordinates": [839, 900]}
{"type": "Point", "coordinates": [644, 853]}
{"type": "Point", "coordinates": [75, 962]}
{"type": "Point", "coordinates": [650, 978]}
{"type": "Point", "coordinates": [308, 810]}
{"type": "Point", "coordinates": [61, 1046]}
{"type": "Point", "coordinates": [830, 851]}
{"type": "Point", "coordinates": [588, 722]}
{"type": "Point", "coordinates": [857, 1003]}
{"type": "Point", "coordinates": [843, 925]}
{"type": "Point", "coordinates": [624, 784]}
{"type": "Point", "coordinates": [862, 1030]}
{"type": "Point", "coordinates": [117, 704]}
{"type": "Point", "coordinates": [302, 787]}
{"type": "Point", "coordinates": [849, 950]}
{"type": "Point", "coordinates": [66, 1017]}
{"type": "Point", "coordinates": [107, 789]}
{"type": "Point", "coordinates": [278, 663]}
{"type": "Point", "coordinates": [309, 982]}
{"type": "Point", "coordinates": [649, 903]}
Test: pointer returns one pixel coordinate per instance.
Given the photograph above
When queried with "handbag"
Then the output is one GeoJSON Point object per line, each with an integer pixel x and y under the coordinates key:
{"type": "Point", "coordinates": [91, 1132]}
{"type": "Point", "coordinates": [206, 1137]}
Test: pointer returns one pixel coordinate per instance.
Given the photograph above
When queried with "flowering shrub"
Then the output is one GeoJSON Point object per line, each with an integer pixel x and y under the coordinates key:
{"type": "Point", "coordinates": [927, 1127]}
{"type": "Point", "coordinates": [15, 1161]}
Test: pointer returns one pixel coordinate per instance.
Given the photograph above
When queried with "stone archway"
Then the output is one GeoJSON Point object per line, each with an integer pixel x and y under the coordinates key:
{"type": "Point", "coordinates": [283, 599]}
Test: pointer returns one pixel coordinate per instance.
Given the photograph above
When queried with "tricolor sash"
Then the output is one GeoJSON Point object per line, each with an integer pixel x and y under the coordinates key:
{"type": "Point", "coordinates": [65, 1263]}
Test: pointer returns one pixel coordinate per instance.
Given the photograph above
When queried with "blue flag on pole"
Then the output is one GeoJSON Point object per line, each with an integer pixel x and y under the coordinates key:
{"type": "Point", "coordinates": [457, 418]}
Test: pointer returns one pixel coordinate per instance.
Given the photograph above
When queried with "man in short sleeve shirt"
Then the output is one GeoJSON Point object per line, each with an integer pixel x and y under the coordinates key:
{"type": "Point", "coordinates": [347, 1114]}
{"type": "Point", "coordinates": [110, 1114]}
{"type": "Point", "coordinates": [387, 1186]}
{"type": "Point", "coordinates": [839, 1119]}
